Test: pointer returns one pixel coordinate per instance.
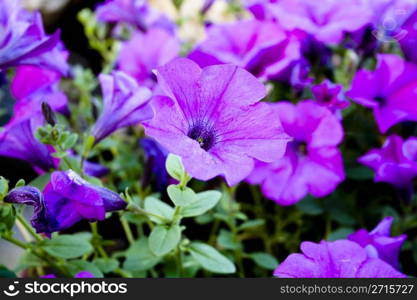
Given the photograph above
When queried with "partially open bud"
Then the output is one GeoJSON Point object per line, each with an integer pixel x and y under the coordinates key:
{"type": "Point", "coordinates": [48, 114]}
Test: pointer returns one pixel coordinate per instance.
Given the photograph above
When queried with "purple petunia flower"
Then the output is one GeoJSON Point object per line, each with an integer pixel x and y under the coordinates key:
{"type": "Point", "coordinates": [338, 259]}
{"type": "Point", "coordinates": [312, 162]}
{"type": "Point", "coordinates": [262, 48]}
{"type": "Point", "coordinates": [390, 91]}
{"type": "Point", "coordinates": [330, 95]}
{"type": "Point", "coordinates": [395, 162]}
{"type": "Point", "coordinates": [155, 156]}
{"type": "Point", "coordinates": [211, 119]}
{"type": "Point", "coordinates": [24, 42]}
{"type": "Point", "coordinates": [328, 20]}
{"type": "Point", "coordinates": [33, 85]}
{"type": "Point", "coordinates": [17, 140]}
{"type": "Point", "coordinates": [124, 104]}
{"type": "Point", "coordinates": [66, 200]}
{"type": "Point", "coordinates": [138, 61]}
{"type": "Point", "coordinates": [135, 12]}
{"type": "Point", "coordinates": [379, 243]}
{"type": "Point", "coordinates": [409, 42]}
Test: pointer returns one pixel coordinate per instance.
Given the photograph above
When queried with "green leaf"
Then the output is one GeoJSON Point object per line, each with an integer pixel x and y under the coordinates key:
{"type": "Point", "coordinates": [175, 167]}
{"type": "Point", "coordinates": [181, 196]}
{"type": "Point", "coordinates": [41, 181]}
{"type": "Point", "coordinates": [6, 273]}
{"type": "Point", "coordinates": [157, 207]}
{"type": "Point", "coordinates": [211, 259]}
{"type": "Point", "coordinates": [139, 257]}
{"type": "Point", "coordinates": [20, 183]}
{"type": "Point", "coordinates": [70, 141]}
{"type": "Point", "coordinates": [205, 201]}
{"type": "Point", "coordinates": [67, 246]}
{"type": "Point", "coordinates": [264, 260]}
{"type": "Point", "coordinates": [310, 206]}
{"type": "Point", "coordinates": [163, 239]}
{"type": "Point", "coordinates": [359, 173]}
{"type": "Point", "coordinates": [226, 240]}
{"type": "Point", "coordinates": [77, 266]}
{"type": "Point", "coordinates": [251, 224]}
{"type": "Point", "coordinates": [4, 187]}
{"type": "Point", "coordinates": [339, 234]}
{"type": "Point", "coordinates": [106, 265]}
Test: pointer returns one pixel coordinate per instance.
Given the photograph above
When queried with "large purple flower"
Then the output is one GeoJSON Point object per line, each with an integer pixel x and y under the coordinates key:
{"type": "Point", "coordinates": [124, 104]}
{"type": "Point", "coordinates": [328, 20]}
{"type": "Point", "coordinates": [211, 119]}
{"type": "Point", "coordinates": [17, 140]}
{"type": "Point", "coordinates": [66, 200]}
{"type": "Point", "coordinates": [339, 259]}
{"type": "Point", "coordinates": [134, 12]}
{"type": "Point", "coordinates": [395, 162]}
{"type": "Point", "coordinates": [262, 48]}
{"type": "Point", "coordinates": [379, 243]}
{"type": "Point", "coordinates": [312, 162]}
{"type": "Point", "coordinates": [139, 62]}
{"type": "Point", "coordinates": [390, 90]}
{"type": "Point", "coordinates": [24, 42]}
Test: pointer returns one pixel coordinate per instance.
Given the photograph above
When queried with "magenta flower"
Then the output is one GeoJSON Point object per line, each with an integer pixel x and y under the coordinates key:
{"type": "Point", "coordinates": [262, 48]}
{"type": "Point", "coordinates": [312, 162]}
{"type": "Point", "coordinates": [379, 243]}
{"type": "Point", "coordinates": [17, 140]}
{"type": "Point", "coordinates": [339, 259]}
{"type": "Point", "coordinates": [124, 104]}
{"type": "Point", "coordinates": [23, 40]}
{"type": "Point", "coordinates": [33, 85]}
{"type": "Point", "coordinates": [395, 162]}
{"type": "Point", "coordinates": [328, 21]}
{"type": "Point", "coordinates": [66, 200]}
{"type": "Point", "coordinates": [135, 12]}
{"type": "Point", "coordinates": [211, 118]}
{"type": "Point", "coordinates": [330, 95]}
{"type": "Point", "coordinates": [139, 62]}
{"type": "Point", "coordinates": [389, 90]}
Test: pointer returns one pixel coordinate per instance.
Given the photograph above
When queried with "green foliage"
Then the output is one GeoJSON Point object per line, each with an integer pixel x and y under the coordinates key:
{"type": "Point", "coordinates": [68, 246]}
{"type": "Point", "coordinates": [211, 259]}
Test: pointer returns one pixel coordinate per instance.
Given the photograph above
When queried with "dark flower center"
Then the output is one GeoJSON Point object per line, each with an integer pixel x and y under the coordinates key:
{"type": "Point", "coordinates": [381, 100]}
{"type": "Point", "coordinates": [203, 134]}
{"type": "Point", "coordinates": [299, 147]}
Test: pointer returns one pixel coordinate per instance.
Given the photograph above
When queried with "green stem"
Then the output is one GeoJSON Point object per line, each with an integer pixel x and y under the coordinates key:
{"type": "Point", "coordinates": [97, 240]}
{"type": "Point", "coordinates": [126, 229]}
{"type": "Point", "coordinates": [178, 259]}
{"type": "Point", "coordinates": [29, 228]}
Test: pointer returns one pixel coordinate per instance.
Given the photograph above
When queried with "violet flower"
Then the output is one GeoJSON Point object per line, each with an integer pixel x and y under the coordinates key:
{"type": "Point", "coordinates": [139, 62]}
{"type": "Point", "coordinates": [312, 162]}
{"type": "Point", "coordinates": [155, 156]}
{"type": "Point", "coordinates": [390, 91]}
{"type": "Point", "coordinates": [211, 118]}
{"type": "Point", "coordinates": [338, 259]}
{"type": "Point", "coordinates": [328, 20]}
{"type": "Point", "coordinates": [262, 48]}
{"type": "Point", "coordinates": [23, 40]}
{"type": "Point", "coordinates": [135, 12]}
{"type": "Point", "coordinates": [66, 200]}
{"type": "Point", "coordinates": [17, 140]}
{"type": "Point", "coordinates": [124, 104]}
{"type": "Point", "coordinates": [330, 95]}
{"type": "Point", "coordinates": [395, 162]}
{"type": "Point", "coordinates": [409, 42]}
{"type": "Point", "coordinates": [379, 243]}
{"type": "Point", "coordinates": [82, 274]}
{"type": "Point", "coordinates": [33, 85]}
